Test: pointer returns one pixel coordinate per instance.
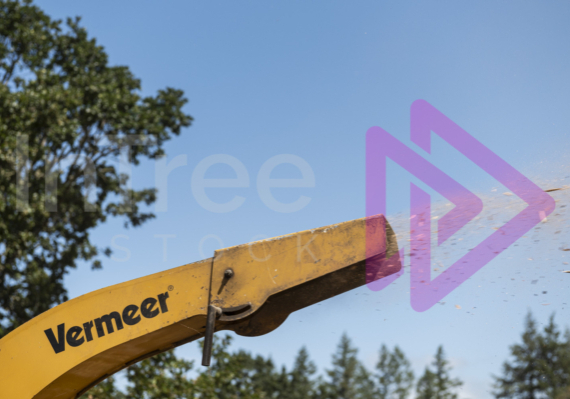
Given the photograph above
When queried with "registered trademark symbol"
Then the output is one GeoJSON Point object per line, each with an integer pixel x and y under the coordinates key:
{"type": "Point", "coordinates": [170, 287]}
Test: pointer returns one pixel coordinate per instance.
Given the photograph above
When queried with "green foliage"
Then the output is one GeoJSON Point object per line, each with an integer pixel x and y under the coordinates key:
{"type": "Point", "coordinates": [540, 368]}
{"type": "Point", "coordinates": [104, 390]}
{"type": "Point", "coordinates": [437, 383]}
{"type": "Point", "coordinates": [394, 373]}
{"type": "Point", "coordinates": [298, 384]}
{"type": "Point", "coordinates": [348, 379]}
{"type": "Point", "coordinates": [426, 387]}
{"type": "Point", "coordinates": [234, 375]}
{"type": "Point", "coordinates": [163, 376]}
{"type": "Point", "coordinates": [564, 393]}
{"type": "Point", "coordinates": [540, 365]}
{"type": "Point", "coordinates": [65, 115]}
{"type": "Point", "coordinates": [239, 375]}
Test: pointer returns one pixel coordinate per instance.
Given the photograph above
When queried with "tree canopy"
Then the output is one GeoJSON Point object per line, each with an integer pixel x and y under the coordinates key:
{"type": "Point", "coordinates": [239, 374]}
{"type": "Point", "coordinates": [539, 366]}
{"type": "Point", "coordinates": [395, 376]}
{"type": "Point", "coordinates": [65, 117]}
{"type": "Point", "coordinates": [436, 383]}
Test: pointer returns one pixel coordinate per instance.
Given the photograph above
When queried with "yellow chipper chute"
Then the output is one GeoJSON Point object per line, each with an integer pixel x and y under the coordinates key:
{"type": "Point", "coordinates": [249, 289]}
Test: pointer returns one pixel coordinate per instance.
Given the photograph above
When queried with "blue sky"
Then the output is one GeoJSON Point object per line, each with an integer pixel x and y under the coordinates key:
{"type": "Point", "coordinates": [308, 79]}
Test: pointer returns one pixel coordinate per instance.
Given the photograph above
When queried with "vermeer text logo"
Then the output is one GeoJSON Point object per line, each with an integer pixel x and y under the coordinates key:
{"type": "Point", "coordinates": [78, 335]}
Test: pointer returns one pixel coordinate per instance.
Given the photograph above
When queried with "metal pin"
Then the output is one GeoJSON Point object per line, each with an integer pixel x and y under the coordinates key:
{"type": "Point", "coordinates": [213, 313]}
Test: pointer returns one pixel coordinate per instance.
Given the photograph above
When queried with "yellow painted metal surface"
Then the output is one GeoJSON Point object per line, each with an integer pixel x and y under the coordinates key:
{"type": "Point", "coordinates": [30, 368]}
{"type": "Point", "coordinates": [276, 264]}
{"type": "Point", "coordinates": [66, 350]}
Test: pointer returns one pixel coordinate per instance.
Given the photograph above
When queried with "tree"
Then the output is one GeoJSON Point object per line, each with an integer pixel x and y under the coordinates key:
{"type": "Point", "coordinates": [437, 384]}
{"type": "Point", "coordinates": [163, 376]}
{"type": "Point", "coordinates": [348, 379]}
{"type": "Point", "coordinates": [564, 393]}
{"type": "Point", "coordinates": [394, 374]}
{"type": "Point", "coordinates": [65, 116]}
{"type": "Point", "coordinates": [540, 365]}
{"type": "Point", "coordinates": [298, 384]}
{"type": "Point", "coordinates": [237, 375]}
{"type": "Point", "coordinates": [265, 379]}
{"type": "Point", "coordinates": [426, 387]}
{"type": "Point", "coordinates": [234, 375]}
{"type": "Point", "coordinates": [104, 390]}
{"type": "Point", "coordinates": [240, 375]}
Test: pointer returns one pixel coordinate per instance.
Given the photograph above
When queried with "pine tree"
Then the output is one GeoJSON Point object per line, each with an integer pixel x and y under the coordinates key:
{"type": "Point", "coordinates": [540, 365]}
{"type": "Point", "coordinates": [444, 383]}
{"type": "Point", "coordinates": [394, 374]}
{"type": "Point", "coordinates": [426, 387]}
{"type": "Point", "coordinates": [348, 379]}
{"type": "Point", "coordinates": [438, 384]}
{"type": "Point", "coordinates": [365, 386]}
{"type": "Point", "coordinates": [298, 383]}
{"type": "Point", "coordinates": [265, 379]}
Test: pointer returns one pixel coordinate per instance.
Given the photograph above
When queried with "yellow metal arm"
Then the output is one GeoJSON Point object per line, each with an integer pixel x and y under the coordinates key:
{"type": "Point", "coordinates": [250, 289]}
